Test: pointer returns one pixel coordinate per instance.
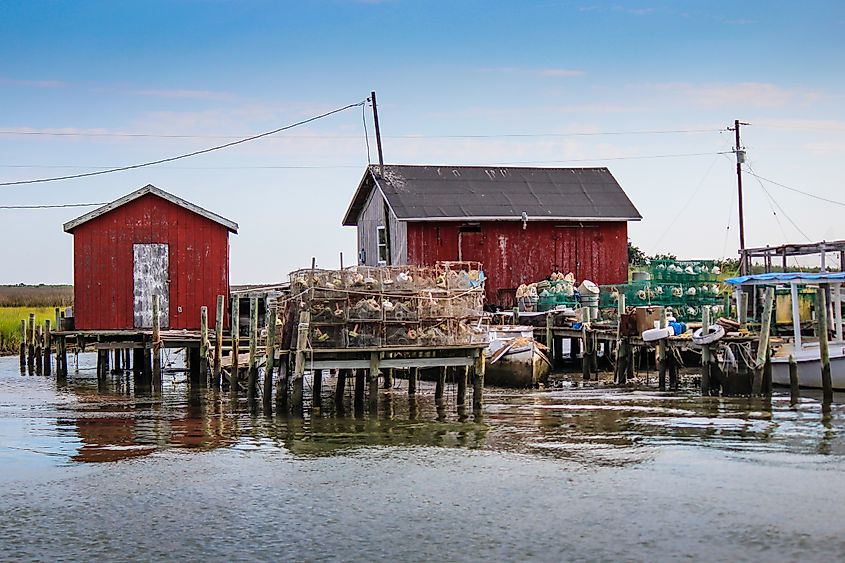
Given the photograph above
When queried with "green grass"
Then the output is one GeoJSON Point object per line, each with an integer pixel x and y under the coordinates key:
{"type": "Point", "coordinates": [10, 324]}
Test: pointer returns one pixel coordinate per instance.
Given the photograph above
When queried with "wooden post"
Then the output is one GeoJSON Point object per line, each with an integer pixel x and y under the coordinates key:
{"type": "Point", "coordinates": [270, 352]}
{"type": "Point", "coordinates": [39, 356]}
{"type": "Point", "coordinates": [741, 307]}
{"type": "Point", "coordinates": [705, 352]}
{"type": "Point", "coordinates": [203, 345]}
{"type": "Point", "coordinates": [413, 379]}
{"type": "Point", "coordinates": [763, 342]}
{"type": "Point", "coordinates": [117, 356]}
{"type": "Point", "coordinates": [156, 352]}
{"type": "Point", "coordinates": [586, 338]}
{"type": "Point", "coordinates": [793, 381]}
{"type": "Point", "coordinates": [516, 315]}
{"type": "Point", "coordinates": [550, 335]}
{"type": "Point", "coordinates": [236, 348]}
{"type": "Point", "coordinates": [463, 375]}
{"type": "Point", "coordinates": [282, 386]}
{"type": "Point", "coordinates": [672, 363]}
{"type": "Point", "coordinates": [48, 349]}
{"type": "Point", "coordinates": [621, 372]}
{"type": "Point", "coordinates": [388, 378]}
{"type": "Point", "coordinates": [824, 350]}
{"type": "Point", "coordinates": [661, 357]}
{"type": "Point", "coordinates": [30, 362]}
{"type": "Point", "coordinates": [440, 385]}
{"type": "Point", "coordinates": [61, 360]}
{"type": "Point", "coordinates": [317, 391]}
{"type": "Point", "coordinates": [299, 363]}
{"type": "Point", "coordinates": [23, 346]}
{"type": "Point", "coordinates": [478, 382]}
{"type": "Point", "coordinates": [252, 379]}
{"type": "Point", "coordinates": [218, 340]}
{"type": "Point", "coordinates": [372, 399]}
{"type": "Point", "coordinates": [340, 389]}
{"type": "Point", "coordinates": [359, 392]}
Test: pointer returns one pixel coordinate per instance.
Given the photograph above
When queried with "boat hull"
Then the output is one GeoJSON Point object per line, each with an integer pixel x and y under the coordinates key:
{"type": "Point", "coordinates": [522, 369]}
{"type": "Point", "coordinates": [809, 366]}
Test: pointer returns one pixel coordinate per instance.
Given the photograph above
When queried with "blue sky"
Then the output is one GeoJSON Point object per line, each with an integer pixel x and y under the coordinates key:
{"type": "Point", "coordinates": [454, 79]}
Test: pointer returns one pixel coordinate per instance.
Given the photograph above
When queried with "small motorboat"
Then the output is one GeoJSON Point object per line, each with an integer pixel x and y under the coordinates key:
{"type": "Point", "coordinates": [514, 358]}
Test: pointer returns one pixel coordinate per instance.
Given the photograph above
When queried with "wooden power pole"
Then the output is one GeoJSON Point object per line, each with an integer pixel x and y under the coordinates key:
{"type": "Point", "coordinates": [378, 135]}
{"type": "Point", "coordinates": [740, 159]}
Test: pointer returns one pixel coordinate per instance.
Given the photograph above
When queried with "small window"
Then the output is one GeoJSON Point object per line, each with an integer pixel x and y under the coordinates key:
{"type": "Point", "coordinates": [383, 246]}
{"type": "Point", "coordinates": [470, 228]}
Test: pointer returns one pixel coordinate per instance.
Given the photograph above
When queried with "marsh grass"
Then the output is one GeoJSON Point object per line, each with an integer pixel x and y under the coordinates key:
{"type": "Point", "coordinates": [10, 325]}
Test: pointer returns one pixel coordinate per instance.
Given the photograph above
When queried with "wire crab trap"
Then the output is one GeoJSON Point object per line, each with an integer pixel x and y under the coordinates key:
{"type": "Point", "coordinates": [364, 335]}
{"type": "Point", "coordinates": [467, 331]}
{"type": "Point", "coordinates": [328, 336]}
{"type": "Point", "coordinates": [435, 305]}
{"type": "Point", "coordinates": [365, 308]}
{"type": "Point", "coordinates": [328, 311]}
{"type": "Point", "coordinates": [460, 275]}
{"type": "Point", "coordinates": [402, 334]}
{"type": "Point", "coordinates": [399, 279]}
{"type": "Point", "coordinates": [435, 333]}
{"type": "Point", "coordinates": [364, 279]}
{"type": "Point", "coordinates": [400, 309]}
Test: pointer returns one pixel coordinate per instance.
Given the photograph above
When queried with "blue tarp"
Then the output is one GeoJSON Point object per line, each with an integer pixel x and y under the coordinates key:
{"type": "Point", "coordinates": [787, 277]}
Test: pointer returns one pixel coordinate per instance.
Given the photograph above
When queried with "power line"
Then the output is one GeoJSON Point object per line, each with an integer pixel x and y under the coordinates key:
{"type": "Point", "coordinates": [808, 194]}
{"type": "Point", "coordinates": [52, 206]}
{"type": "Point", "coordinates": [187, 155]}
{"type": "Point", "coordinates": [773, 200]}
{"type": "Point", "coordinates": [409, 136]}
{"type": "Point", "coordinates": [333, 166]}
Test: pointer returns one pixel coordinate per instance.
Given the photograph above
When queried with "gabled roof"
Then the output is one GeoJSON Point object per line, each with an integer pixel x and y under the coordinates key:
{"type": "Point", "coordinates": [150, 189]}
{"type": "Point", "coordinates": [443, 193]}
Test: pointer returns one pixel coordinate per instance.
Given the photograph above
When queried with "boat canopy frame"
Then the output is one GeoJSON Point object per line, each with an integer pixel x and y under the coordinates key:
{"type": "Point", "coordinates": [834, 280]}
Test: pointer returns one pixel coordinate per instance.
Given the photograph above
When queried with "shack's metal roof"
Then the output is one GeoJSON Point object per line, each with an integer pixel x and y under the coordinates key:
{"type": "Point", "coordinates": [479, 193]}
{"type": "Point", "coordinates": [151, 189]}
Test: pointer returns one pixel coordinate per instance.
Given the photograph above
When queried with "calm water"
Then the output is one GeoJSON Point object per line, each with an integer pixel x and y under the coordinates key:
{"type": "Point", "coordinates": [564, 474]}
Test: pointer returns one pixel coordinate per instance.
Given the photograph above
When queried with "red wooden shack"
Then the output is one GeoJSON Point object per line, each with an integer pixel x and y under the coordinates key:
{"type": "Point", "coordinates": [148, 242]}
{"type": "Point", "coordinates": [521, 223]}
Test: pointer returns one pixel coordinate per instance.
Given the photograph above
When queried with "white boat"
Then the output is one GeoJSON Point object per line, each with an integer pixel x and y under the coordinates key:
{"type": "Point", "coordinates": [808, 359]}
{"type": "Point", "coordinates": [806, 353]}
{"type": "Point", "coordinates": [514, 358]}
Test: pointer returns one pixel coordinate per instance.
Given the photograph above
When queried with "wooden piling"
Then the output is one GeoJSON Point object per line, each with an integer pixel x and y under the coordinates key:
{"type": "Point", "coordinates": [270, 354]}
{"type": "Point", "coordinates": [252, 371]}
{"type": "Point", "coordinates": [705, 352]}
{"type": "Point", "coordinates": [218, 341]}
{"type": "Point", "coordinates": [359, 392]}
{"type": "Point", "coordinates": [824, 349]}
{"type": "Point", "coordinates": [550, 344]}
{"type": "Point", "coordinates": [515, 315]}
{"type": "Point", "coordinates": [298, 390]}
{"type": "Point", "coordinates": [282, 386]}
{"type": "Point", "coordinates": [317, 391]}
{"type": "Point", "coordinates": [478, 382]}
{"type": "Point", "coordinates": [763, 342]}
{"type": "Point", "coordinates": [413, 379]}
{"type": "Point", "coordinates": [794, 395]}
{"type": "Point", "coordinates": [203, 345]}
{"type": "Point", "coordinates": [30, 338]}
{"type": "Point", "coordinates": [23, 346]}
{"type": "Point", "coordinates": [463, 375]}
{"type": "Point", "coordinates": [372, 399]}
{"type": "Point", "coordinates": [156, 350]}
{"type": "Point", "coordinates": [48, 348]}
{"type": "Point", "coordinates": [117, 360]}
{"type": "Point", "coordinates": [236, 348]}
{"type": "Point", "coordinates": [661, 358]}
{"type": "Point", "coordinates": [39, 356]}
{"type": "Point", "coordinates": [586, 339]}
{"type": "Point", "coordinates": [440, 385]}
{"type": "Point", "coordinates": [340, 389]}
{"type": "Point", "coordinates": [672, 366]}
{"type": "Point", "coordinates": [388, 378]}
{"type": "Point", "coordinates": [61, 359]}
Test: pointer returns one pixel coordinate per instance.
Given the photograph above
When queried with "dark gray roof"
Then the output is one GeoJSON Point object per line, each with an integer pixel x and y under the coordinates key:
{"type": "Point", "coordinates": [440, 193]}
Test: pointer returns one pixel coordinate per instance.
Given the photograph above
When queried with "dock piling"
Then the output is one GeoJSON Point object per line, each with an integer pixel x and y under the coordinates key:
{"type": "Point", "coordinates": [270, 354]}
{"type": "Point", "coordinates": [372, 399]}
{"type": "Point", "coordinates": [793, 381]}
{"type": "Point", "coordinates": [218, 341]}
{"type": "Point", "coordinates": [252, 370]}
{"type": "Point", "coordinates": [48, 348]}
{"type": "Point", "coordinates": [317, 391]}
{"type": "Point", "coordinates": [478, 382]}
{"type": "Point", "coordinates": [23, 346]}
{"type": "Point", "coordinates": [236, 342]}
{"type": "Point", "coordinates": [299, 363]}
{"type": "Point", "coordinates": [824, 348]}
{"type": "Point", "coordinates": [705, 353]}
{"type": "Point", "coordinates": [359, 392]}
{"type": "Point", "coordinates": [413, 379]}
{"type": "Point", "coordinates": [39, 356]}
{"type": "Point", "coordinates": [441, 384]}
{"type": "Point", "coordinates": [156, 351]}
{"type": "Point", "coordinates": [763, 343]}
{"type": "Point", "coordinates": [30, 338]}
{"type": "Point", "coordinates": [203, 345]}
{"type": "Point", "coordinates": [463, 375]}
{"type": "Point", "coordinates": [340, 389]}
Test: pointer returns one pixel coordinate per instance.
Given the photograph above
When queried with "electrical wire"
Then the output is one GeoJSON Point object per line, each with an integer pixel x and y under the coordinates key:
{"type": "Point", "coordinates": [797, 228]}
{"type": "Point", "coordinates": [187, 155]}
{"type": "Point", "coordinates": [53, 206]}
{"type": "Point", "coordinates": [808, 194]}
{"type": "Point", "coordinates": [410, 136]}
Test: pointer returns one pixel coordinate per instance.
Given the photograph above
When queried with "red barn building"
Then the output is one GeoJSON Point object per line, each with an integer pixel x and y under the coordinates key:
{"type": "Point", "coordinates": [145, 243]}
{"type": "Point", "coordinates": [521, 223]}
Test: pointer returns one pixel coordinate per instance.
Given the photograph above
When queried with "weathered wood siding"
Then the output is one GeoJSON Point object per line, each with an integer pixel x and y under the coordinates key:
{"type": "Point", "coordinates": [374, 215]}
{"type": "Point", "coordinates": [198, 250]}
{"type": "Point", "coordinates": [512, 255]}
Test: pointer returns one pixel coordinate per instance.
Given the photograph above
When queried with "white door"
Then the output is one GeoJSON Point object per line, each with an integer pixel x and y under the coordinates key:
{"type": "Point", "coordinates": [150, 277]}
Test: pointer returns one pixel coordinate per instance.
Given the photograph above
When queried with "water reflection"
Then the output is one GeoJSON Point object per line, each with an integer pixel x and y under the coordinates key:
{"type": "Point", "coordinates": [592, 425]}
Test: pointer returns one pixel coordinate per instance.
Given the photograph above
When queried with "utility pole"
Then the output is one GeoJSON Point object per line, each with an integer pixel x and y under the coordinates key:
{"type": "Point", "coordinates": [740, 159]}
{"type": "Point", "coordinates": [378, 134]}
